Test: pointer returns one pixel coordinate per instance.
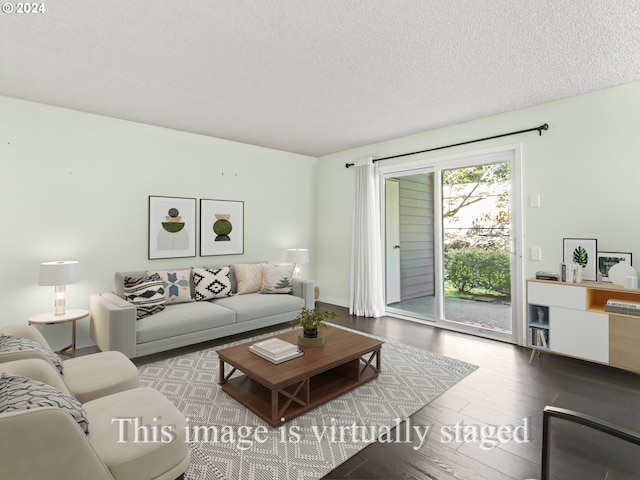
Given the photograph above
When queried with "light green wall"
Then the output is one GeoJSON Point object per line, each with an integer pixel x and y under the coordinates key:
{"type": "Point", "coordinates": [586, 167]}
{"type": "Point", "coordinates": [75, 186]}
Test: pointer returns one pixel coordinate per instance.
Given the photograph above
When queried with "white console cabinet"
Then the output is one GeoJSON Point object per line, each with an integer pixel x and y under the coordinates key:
{"type": "Point", "coordinates": [570, 319]}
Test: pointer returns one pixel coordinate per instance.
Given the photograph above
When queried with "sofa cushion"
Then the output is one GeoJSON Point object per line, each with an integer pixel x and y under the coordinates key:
{"type": "Point", "coordinates": [211, 283]}
{"type": "Point", "coordinates": [183, 319]}
{"type": "Point", "coordinates": [177, 285]}
{"type": "Point", "coordinates": [100, 374]}
{"type": "Point", "coordinates": [277, 278]}
{"type": "Point", "coordinates": [123, 421]}
{"type": "Point", "coordinates": [256, 305]}
{"type": "Point", "coordinates": [23, 393]}
{"type": "Point", "coordinates": [248, 277]}
{"type": "Point", "coordinates": [20, 347]}
{"type": "Point", "coordinates": [146, 293]}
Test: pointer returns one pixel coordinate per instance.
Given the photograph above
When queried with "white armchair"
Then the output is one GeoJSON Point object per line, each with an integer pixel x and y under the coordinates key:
{"type": "Point", "coordinates": [87, 377]}
{"type": "Point", "coordinates": [47, 442]}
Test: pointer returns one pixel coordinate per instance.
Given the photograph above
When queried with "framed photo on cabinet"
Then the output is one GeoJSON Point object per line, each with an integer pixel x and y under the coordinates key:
{"type": "Point", "coordinates": [583, 252]}
{"type": "Point", "coordinates": [606, 260]}
{"type": "Point", "coordinates": [221, 227]}
{"type": "Point", "coordinates": [172, 227]}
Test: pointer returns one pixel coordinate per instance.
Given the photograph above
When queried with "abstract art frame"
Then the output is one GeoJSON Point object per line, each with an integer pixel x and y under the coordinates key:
{"type": "Point", "coordinates": [221, 227]}
{"type": "Point", "coordinates": [172, 227]}
{"type": "Point", "coordinates": [582, 251]}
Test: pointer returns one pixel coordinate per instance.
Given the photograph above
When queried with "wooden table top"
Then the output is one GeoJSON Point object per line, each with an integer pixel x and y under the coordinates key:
{"type": "Point", "coordinates": [340, 346]}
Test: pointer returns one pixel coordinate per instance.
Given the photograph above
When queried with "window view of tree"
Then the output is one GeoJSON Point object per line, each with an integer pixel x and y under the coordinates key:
{"type": "Point", "coordinates": [476, 228]}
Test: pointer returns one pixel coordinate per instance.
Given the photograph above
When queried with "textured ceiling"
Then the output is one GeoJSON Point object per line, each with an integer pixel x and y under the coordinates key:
{"type": "Point", "coordinates": [315, 76]}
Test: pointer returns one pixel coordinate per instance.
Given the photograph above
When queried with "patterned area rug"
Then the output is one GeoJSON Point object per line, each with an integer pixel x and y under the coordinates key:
{"type": "Point", "coordinates": [230, 442]}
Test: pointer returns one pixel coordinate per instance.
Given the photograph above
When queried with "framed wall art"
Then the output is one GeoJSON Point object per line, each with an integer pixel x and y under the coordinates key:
{"type": "Point", "coordinates": [221, 227]}
{"type": "Point", "coordinates": [606, 260]}
{"type": "Point", "coordinates": [581, 251]}
{"type": "Point", "coordinates": [172, 227]}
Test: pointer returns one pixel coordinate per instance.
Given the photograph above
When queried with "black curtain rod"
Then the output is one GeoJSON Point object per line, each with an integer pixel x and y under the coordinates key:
{"type": "Point", "coordinates": [538, 129]}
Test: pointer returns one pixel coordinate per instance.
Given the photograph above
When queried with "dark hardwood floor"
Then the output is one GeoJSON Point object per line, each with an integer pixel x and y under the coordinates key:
{"type": "Point", "coordinates": [505, 390]}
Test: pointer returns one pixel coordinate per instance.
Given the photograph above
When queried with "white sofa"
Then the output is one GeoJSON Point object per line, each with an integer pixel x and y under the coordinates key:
{"type": "Point", "coordinates": [114, 325]}
{"type": "Point", "coordinates": [47, 442]}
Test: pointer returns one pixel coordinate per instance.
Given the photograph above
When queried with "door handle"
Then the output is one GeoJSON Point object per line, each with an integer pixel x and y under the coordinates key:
{"type": "Point", "coordinates": [396, 246]}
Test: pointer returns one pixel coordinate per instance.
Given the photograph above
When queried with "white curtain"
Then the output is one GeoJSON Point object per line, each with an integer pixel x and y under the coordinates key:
{"type": "Point", "coordinates": [367, 282]}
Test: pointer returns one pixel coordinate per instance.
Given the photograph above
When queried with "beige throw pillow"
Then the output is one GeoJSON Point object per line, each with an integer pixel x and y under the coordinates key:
{"type": "Point", "coordinates": [248, 277]}
{"type": "Point", "coordinates": [277, 278]}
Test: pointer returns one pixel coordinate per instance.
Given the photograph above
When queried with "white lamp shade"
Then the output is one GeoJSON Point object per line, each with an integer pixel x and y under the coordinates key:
{"type": "Point", "coordinates": [59, 273]}
{"type": "Point", "coordinates": [297, 255]}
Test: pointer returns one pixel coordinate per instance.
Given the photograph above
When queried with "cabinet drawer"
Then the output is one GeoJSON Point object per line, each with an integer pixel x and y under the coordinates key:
{"type": "Point", "coordinates": [566, 296]}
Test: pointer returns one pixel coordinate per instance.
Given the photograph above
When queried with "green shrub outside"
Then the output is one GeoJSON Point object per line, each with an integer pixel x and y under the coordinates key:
{"type": "Point", "coordinates": [485, 268]}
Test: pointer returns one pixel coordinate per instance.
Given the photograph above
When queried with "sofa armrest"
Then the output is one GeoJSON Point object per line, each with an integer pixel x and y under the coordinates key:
{"type": "Point", "coordinates": [305, 290]}
{"type": "Point", "coordinates": [25, 331]}
{"type": "Point", "coordinates": [39, 369]}
{"type": "Point", "coordinates": [46, 442]}
{"type": "Point", "coordinates": [113, 323]}
{"type": "Point", "coordinates": [29, 332]}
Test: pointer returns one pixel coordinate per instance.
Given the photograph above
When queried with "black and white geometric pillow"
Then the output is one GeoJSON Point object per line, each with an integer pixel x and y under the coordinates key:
{"type": "Point", "coordinates": [146, 293]}
{"type": "Point", "coordinates": [13, 344]}
{"type": "Point", "coordinates": [212, 283]}
{"type": "Point", "coordinates": [22, 393]}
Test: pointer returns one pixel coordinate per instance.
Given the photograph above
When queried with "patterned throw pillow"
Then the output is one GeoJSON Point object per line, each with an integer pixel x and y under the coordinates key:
{"type": "Point", "coordinates": [177, 287]}
{"type": "Point", "coordinates": [249, 277]}
{"type": "Point", "coordinates": [146, 293]}
{"type": "Point", "coordinates": [277, 278]}
{"type": "Point", "coordinates": [22, 393]}
{"type": "Point", "coordinates": [212, 283]}
{"type": "Point", "coordinates": [13, 344]}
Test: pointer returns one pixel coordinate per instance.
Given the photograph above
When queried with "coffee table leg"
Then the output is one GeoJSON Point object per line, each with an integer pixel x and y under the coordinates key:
{"type": "Point", "coordinates": [368, 363]}
{"type": "Point", "coordinates": [223, 377]}
{"type": "Point", "coordinates": [274, 405]}
{"type": "Point", "coordinates": [301, 395]}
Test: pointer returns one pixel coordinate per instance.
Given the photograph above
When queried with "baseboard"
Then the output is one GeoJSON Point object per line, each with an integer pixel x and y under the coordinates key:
{"type": "Point", "coordinates": [333, 301]}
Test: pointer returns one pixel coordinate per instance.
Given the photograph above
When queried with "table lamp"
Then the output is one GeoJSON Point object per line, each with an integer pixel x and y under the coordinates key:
{"type": "Point", "coordinates": [297, 256]}
{"type": "Point", "coordinates": [59, 274]}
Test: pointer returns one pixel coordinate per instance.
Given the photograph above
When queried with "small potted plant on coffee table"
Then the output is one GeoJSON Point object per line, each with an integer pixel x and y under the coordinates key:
{"type": "Point", "coordinates": [310, 320]}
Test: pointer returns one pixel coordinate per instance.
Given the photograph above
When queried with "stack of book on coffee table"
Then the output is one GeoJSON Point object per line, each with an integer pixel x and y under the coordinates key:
{"type": "Point", "coordinates": [276, 350]}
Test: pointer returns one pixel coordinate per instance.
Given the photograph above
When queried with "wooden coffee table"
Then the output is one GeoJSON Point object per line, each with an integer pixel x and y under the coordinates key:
{"type": "Point", "coordinates": [278, 393]}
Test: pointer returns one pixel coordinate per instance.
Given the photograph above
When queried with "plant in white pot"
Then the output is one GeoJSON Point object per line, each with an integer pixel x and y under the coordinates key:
{"type": "Point", "coordinates": [311, 320]}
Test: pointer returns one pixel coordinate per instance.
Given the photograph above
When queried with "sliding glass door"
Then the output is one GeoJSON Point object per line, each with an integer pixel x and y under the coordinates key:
{"type": "Point", "coordinates": [476, 235]}
{"type": "Point", "coordinates": [451, 232]}
{"type": "Point", "coordinates": [410, 254]}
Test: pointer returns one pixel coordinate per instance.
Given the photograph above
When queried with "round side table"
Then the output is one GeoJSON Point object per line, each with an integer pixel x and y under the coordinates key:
{"type": "Point", "coordinates": [50, 318]}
